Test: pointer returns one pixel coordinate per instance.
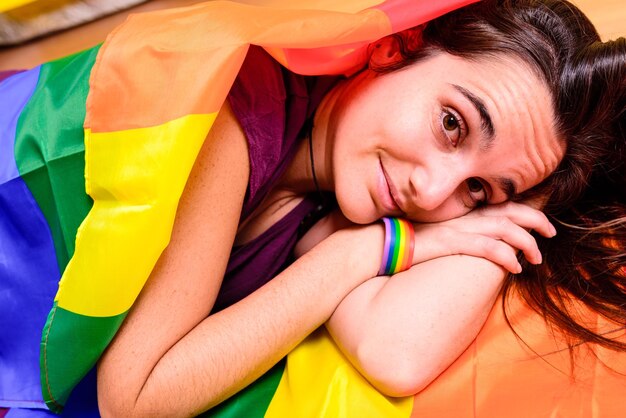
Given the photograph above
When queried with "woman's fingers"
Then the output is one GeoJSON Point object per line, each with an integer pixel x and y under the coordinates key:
{"type": "Point", "coordinates": [521, 214]}
{"type": "Point", "coordinates": [491, 249]}
{"type": "Point", "coordinates": [438, 240]}
{"type": "Point", "coordinates": [496, 233]}
{"type": "Point", "coordinates": [503, 229]}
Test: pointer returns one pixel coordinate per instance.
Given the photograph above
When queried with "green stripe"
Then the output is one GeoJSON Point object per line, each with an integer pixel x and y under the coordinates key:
{"type": "Point", "coordinates": [253, 401]}
{"type": "Point", "coordinates": [71, 352]}
{"type": "Point", "coordinates": [49, 147]}
{"type": "Point", "coordinates": [396, 245]}
{"type": "Point", "coordinates": [50, 155]}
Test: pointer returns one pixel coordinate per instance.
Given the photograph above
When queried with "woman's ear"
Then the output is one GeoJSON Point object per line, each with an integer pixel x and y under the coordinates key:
{"type": "Point", "coordinates": [384, 52]}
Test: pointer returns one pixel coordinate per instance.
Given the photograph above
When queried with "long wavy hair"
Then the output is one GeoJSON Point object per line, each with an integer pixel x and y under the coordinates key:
{"type": "Point", "coordinates": [586, 194]}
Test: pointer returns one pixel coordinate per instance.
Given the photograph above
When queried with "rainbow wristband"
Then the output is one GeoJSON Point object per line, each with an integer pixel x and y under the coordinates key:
{"type": "Point", "coordinates": [399, 245]}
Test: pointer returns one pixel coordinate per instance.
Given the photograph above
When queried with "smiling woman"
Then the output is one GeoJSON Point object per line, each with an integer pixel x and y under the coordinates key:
{"type": "Point", "coordinates": [193, 271]}
{"type": "Point", "coordinates": [552, 120]}
{"type": "Point", "coordinates": [511, 58]}
{"type": "Point", "coordinates": [584, 79]}
{"type": "Point", "coordinates": [464, 133]}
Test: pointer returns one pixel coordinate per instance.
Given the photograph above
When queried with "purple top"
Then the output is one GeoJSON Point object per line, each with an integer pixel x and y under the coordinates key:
{"type": "Point", "coordinates": [272, 105]}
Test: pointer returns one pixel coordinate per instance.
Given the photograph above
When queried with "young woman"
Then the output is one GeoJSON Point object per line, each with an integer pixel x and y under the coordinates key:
{"type": "Point", "coordinates": [429, 133]}
{"type": "Point", "coordinates": [446, 126]}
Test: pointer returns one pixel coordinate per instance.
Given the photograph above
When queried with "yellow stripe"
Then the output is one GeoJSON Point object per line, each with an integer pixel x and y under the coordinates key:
{"type": "Point", "coordinates": [6, 5]}
{"type": "Point", "coordinates": [320, 382]}
{"type": "Point", "coordinates": [136, 178]}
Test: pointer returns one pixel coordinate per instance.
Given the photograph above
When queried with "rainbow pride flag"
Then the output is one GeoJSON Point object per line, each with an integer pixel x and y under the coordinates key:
{"type": "Point", "coordinates": [95, 150]}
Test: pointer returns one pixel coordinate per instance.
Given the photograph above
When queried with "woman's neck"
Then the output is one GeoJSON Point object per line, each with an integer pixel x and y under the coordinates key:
{"type": "Point", "coordinates": [315, 147]}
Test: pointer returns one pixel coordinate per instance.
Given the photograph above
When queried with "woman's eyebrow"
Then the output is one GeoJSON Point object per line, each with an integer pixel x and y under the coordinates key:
{"type": "Point", "coordinates": [505, 184]}
{"type": "Point", "coordinates": [508, 187]}
{"type": "Point", "coordinates": [485, 117]}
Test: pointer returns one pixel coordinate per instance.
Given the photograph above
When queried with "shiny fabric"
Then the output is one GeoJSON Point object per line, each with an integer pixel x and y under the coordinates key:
{"type": "Point", "coordinates": [144, 125]}
{"type": "Point", "coordinates": [42, 203]}
{"type": "Point", "coordinates": [28, 266]}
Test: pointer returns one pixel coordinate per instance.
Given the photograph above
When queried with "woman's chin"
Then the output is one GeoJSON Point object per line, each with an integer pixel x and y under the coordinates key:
{"type": "Point", "coordinates": [360, 214]}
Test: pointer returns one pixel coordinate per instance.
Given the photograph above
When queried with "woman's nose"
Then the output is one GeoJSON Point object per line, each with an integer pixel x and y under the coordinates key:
{"type": "Point", "coordinates": [430, 188]}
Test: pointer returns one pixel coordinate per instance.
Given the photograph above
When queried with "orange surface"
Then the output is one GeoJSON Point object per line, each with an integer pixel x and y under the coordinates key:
{"type": "Point", "coordinates": [500, 375]}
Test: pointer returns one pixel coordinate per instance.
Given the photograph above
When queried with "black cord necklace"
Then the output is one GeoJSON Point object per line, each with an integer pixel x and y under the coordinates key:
{"type": "Point", "coordinates": [324, 203]}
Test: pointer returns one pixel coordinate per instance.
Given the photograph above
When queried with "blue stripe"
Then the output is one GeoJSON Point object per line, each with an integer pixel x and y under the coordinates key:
{"type": "Point", "coordinates": [28, 269]}
{"type": "Point", "coordinates": [392, 245]}
{"type": "Point", "coordinates": [28, 282]}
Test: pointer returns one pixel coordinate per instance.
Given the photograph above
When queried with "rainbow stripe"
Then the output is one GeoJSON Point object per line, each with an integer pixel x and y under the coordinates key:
{"type": "Point", "coordinates": [43, 202]}
{"type": "Point", "coordinates": [8, 5]}
{"type": "Point", "coordinates": [399, 246]}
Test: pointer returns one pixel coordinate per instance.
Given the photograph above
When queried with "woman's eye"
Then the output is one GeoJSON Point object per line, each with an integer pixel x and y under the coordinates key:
{"type": "Point", "coordinates": [477, 191]}
{"type": "Point", "coordinates": [450, 123]}
{"type": "Point", "coordinates": [452, 126]}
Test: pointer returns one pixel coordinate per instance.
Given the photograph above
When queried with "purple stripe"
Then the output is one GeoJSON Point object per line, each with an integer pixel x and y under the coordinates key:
{"type": "Point", "coordinates": [15, 92]}
{"type": "Point", "coordinates": [386, 247]}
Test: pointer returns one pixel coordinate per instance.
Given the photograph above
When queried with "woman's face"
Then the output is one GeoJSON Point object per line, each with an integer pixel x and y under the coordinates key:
{"type": "Point", "coordinates": [438, 138]}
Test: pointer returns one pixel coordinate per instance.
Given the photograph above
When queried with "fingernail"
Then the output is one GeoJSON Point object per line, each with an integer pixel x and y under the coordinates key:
{"type": "Point", "coordinates": [518, 270]}
{"type": "Point", "coordinates": [552, 230]}
{"type": "Point", "coordinates": [538, 257]}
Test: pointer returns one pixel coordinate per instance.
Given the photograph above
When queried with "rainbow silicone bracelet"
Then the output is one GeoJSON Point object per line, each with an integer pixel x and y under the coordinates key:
{"type": "Point", "coordinates": [399, 245]}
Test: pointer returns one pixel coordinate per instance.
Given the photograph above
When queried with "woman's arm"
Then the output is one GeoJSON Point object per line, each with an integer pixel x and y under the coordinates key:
{"type": "Point", "coordinates": [402, 332]}
{"type": "Point", "coordinates": [168, 358]}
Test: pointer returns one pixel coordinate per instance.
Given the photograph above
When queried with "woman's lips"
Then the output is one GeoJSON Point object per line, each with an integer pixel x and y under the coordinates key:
{"type": "Point", "coordinates": [385, 190]}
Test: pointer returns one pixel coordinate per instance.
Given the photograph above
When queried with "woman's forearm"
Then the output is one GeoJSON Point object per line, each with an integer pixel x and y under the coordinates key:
{"type": "Point", "coordinates": [169, 357]}
{"type": "Point", "coordinates": [402, 332]}
{"type": "Point", "coordinates": [230, 349]}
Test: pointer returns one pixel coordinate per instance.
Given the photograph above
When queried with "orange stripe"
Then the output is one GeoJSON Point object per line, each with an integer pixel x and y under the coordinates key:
{"type": "Point", "coordinates": [410, 244]}
{"type": "Point", "coordinates": [150, 60]}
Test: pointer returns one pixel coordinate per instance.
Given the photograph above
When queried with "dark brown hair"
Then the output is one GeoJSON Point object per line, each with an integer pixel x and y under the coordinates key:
{"type": "Point", "coordinates": [586, 195]}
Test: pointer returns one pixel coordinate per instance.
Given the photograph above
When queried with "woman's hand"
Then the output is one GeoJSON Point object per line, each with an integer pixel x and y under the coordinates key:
{"type": "Point", "coordinates": [401, 332]}
{"type": "Point", "coordinates": [494, 232]}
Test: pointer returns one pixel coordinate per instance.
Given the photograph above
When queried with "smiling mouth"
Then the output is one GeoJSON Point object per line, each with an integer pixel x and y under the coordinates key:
{"type": "Point", "coordinates": [388, 192]}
